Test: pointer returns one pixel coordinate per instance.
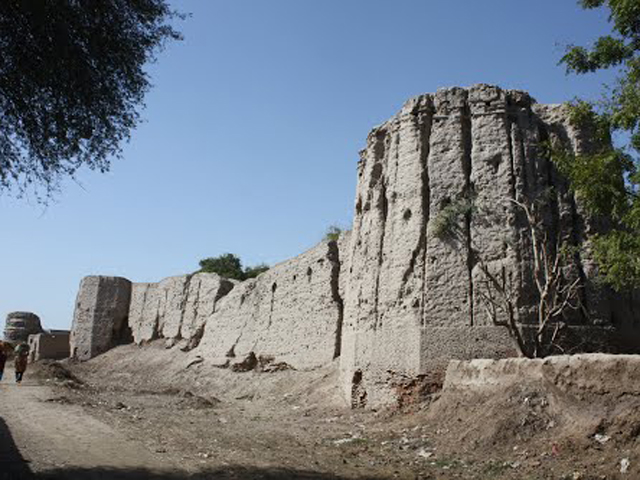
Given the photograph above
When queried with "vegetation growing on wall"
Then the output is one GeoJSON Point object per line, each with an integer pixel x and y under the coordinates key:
{"type": "Point", "coordinates": [229, 265]}
{"type": "Point", "coordinates": [553, 274]}
{"type": "Point", "coordinates": [448, 222]}
{"type": "Point", "coordinates": [333, 233]}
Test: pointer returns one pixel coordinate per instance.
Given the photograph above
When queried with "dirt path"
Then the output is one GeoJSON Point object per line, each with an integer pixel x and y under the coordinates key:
{"type": "Point", "coordinates": [150, 413]}
{"type": "Point", "coordinates": [40, 436]}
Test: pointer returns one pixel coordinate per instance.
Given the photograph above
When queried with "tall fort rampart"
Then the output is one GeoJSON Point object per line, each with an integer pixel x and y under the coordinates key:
{"type": "Point", "coordinates": [394, 299]}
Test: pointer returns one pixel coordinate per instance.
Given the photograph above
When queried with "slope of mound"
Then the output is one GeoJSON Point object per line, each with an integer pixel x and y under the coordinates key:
{"type": "Point", "coordinates": [571, 417]}
{"type": "Point", "coordinates": [581, 411]}
{"type": "Point", "coordinates": [154, 368]}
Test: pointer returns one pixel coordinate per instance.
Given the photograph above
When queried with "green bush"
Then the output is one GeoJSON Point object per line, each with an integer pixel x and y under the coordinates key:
{"type": "Point", "coordinates": [333, 233]}
{"type": "Point", "coordinates": [229, 265]}
{"type": "Point", "coordinates": [448, 220]}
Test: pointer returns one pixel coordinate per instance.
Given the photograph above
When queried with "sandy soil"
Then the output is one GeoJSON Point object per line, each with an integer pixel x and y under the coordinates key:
{"type": "Point", "coordinates": [164, 414]}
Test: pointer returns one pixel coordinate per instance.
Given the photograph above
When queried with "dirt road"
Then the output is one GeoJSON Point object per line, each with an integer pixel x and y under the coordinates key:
{"type": "Point", "coordinates": [152, 413]}
{"type": "Point", "coordinates": [49, 430]}
{"type": "Point", "coordinates": [42, 437]}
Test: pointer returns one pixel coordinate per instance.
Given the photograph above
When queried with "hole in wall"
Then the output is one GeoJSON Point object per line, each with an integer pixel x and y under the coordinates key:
{"type": "Point", "coordinates": [376, 173]}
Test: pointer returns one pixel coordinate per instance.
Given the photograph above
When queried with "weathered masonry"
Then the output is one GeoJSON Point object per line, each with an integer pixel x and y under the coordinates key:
{"type": "Point", "coordinates": [414, 299]}
{"type": "Point", "coordinates": [292, 314]}
{"type": "Point", "coordinates": [394, 300]}
{"type": "Point", "coordinates": [53, 345]}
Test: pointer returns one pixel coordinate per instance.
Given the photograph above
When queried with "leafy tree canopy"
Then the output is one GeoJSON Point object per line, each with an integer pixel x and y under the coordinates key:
{"type": "Point", "coordinates": [71, 83]}
{"type": "Point", "coordinates": [230, 266]}
{"type": "Point", "coordinates": [607, 179]}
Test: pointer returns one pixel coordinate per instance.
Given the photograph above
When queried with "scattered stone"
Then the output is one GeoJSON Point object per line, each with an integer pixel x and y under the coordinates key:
{"type": "Point", "coordinates": [624, 465]}
{"type": "Point", "coordinates": [249, 363]}
{"type": "Point", "coordinates": [425, 453]}
{"type": "Point", "coordinates": [196, 402]}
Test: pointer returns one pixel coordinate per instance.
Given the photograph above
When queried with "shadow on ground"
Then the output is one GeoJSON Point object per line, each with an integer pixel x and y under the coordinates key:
{"type": "Point", "coordinates": [12, 465]}
{"type": "Point", "coordinates": [230, 472]}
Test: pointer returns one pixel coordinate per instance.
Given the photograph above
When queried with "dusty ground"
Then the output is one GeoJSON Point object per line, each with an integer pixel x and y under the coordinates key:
{"type": "Point", "coordinates": [163, 414]}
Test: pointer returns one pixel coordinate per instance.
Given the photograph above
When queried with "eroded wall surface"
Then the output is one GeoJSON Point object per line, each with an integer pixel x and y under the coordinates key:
{"type": "Point", "coordinates": [414, 296]}
{"type": "Point", "coordinates": [175, 308]}
{"type": "Point", "coordinates": [49, 345]}
{"type": "Point", "coordinates": [101, 314]}
{"type": "Point", "coordinates": [400, 295]}
{"type": "Point", "coordinates": [290, 314]}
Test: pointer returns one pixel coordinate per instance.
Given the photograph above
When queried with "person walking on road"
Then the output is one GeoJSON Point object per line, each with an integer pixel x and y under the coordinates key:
{"type": "Point", "coordinates": [3, 358]}
{"type": "Point", "coordinates": [21, 360]}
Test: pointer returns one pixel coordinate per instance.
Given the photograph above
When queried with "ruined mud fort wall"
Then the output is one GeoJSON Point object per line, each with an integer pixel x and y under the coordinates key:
{"type": "Point", "coordinates": [19, 325]}
{"type": "Point", "coordinates": [100, 319]}
{"type": "Point", "coordinates": [413, 298]}
{"type": "Point", "coordinates": [393, 300]}
{"type": "Point", "coordinates": [290, 315]}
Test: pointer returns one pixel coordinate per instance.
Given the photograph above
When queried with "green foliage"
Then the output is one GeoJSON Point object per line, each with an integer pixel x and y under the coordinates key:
{"type": "Point", "coordinates": [599, 180]}
{"type": "Point", "coordinates": [583, 114]}
{"type": "Point", "coordinates": [230, 266]}
{"type": "Point", "coordinates": [227, 265]}
{"type": "Point", "coordinates": [72, 81]}
{"type": "Point", "coordinates": [607, 180]}
{"type": "Point", "coordinates": [447, 223]}
{"type": "Point", "coordinates": [618, 255]}
{"type": "Point", "coordinates": [253, 272]}
{"type": "Point", "coordinates": [333, 233]}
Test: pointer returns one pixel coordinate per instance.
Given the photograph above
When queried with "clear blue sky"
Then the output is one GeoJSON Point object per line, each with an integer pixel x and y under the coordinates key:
{"type": "Point", "coordinates": [253, 129]}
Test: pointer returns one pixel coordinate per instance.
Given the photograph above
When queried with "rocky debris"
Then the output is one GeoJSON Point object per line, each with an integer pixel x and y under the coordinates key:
{"type": "Point", "coordinates": [60, 374]}
{"type": "Point", "coordinates": [268, 364]}
{"type": "Point", "coordinates": [100, 320]}
{"type": "Point", "coordinates": [196, 402]}
{"type": "Point", "coordinates": [20, 325]}
{"type": "Point", "coordinates": [261, 363]}
{"type": "Point", "coordinates": [433, 198]}
{"type": "Point", "coordinates": [249, 363]}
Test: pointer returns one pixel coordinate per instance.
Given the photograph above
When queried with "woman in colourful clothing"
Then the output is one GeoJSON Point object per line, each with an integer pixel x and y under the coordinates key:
{"type": "Point", "coordinates": [3, 358]}
{"type": "Point", "coordinates": [21, 360]}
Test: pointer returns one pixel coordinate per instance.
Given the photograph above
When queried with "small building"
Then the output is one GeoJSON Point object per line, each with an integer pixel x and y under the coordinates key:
{"type": "Point", "coordinates": [53, 345]}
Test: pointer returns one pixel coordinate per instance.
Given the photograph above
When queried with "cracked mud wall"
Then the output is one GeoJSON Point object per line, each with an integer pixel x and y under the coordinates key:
{"type": "Point", "coordinates": [101, 315]}
{"type": "Point", "coordinates": [412, 300]}
{"type": "Point", "coordinates": [175, 308]}
{"type": "Point", "coordinates": [384, 294]}
{"type": "Point", "coordinates": [393, 299]}
{"type": "Point", "coordinates": [291, 314]}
